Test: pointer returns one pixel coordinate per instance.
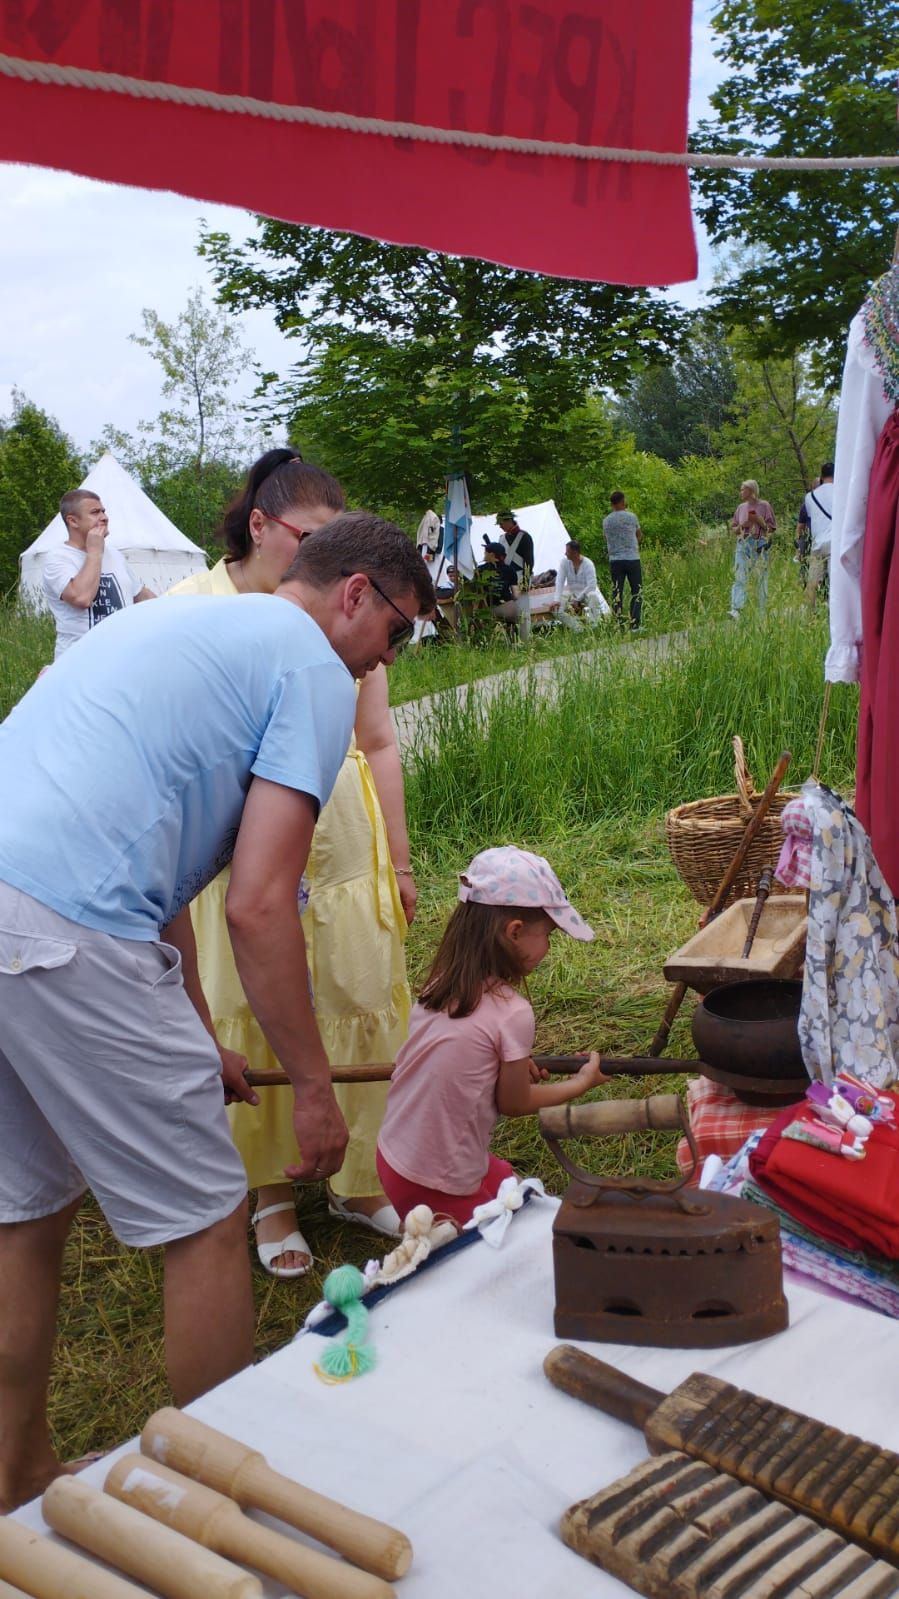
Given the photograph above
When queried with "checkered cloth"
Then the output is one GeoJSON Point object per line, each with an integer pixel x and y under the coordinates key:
{"type": "Point", "coordinates": [721, 1122]}
{"type": "Point", "coordinates": [794, 863]}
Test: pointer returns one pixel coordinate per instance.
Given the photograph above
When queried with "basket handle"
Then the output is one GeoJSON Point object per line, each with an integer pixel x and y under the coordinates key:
{"type": "Point", "coordinates": [745, 786]}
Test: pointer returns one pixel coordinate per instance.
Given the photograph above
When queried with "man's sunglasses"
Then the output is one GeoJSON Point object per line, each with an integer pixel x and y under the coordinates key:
{"type": "Point", "coordinates": [401, 635]}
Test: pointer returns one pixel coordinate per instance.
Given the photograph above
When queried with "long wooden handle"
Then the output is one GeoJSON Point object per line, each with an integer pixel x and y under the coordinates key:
{"type": "Point", "coordinates": [603, 1386]}
{"type": "Point", "coordinates": [661, 1112]}
{"type": "Point", "coordinates": [218, 1523]}
{"type": "Point", "coordinates": [678, 995]}
{"type": "Point", "coordinates": [47, 1570]}
{"type": "Point", "coordinates": [559, 1065]}
{"type": "Point", "coordinates": [223, 1463]}
{"type": "Point", "coordinates": [753, 825]}
{"type": "Point", "coordinates": [165, 1560]}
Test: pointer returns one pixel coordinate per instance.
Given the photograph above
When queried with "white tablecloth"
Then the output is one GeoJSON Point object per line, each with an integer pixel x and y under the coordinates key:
{"type": "Point", "coordinates": [458, 1438]}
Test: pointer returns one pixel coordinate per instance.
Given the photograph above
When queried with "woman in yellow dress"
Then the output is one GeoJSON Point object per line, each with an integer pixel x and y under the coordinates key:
{"type": "Point", "coordinates": [361, 896]}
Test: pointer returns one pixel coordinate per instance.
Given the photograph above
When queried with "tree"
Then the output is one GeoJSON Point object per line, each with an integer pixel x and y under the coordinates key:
{"type": "Point", "coordinates": [674, 411]}
{"type": "Point", "coordinates": [782, 429]}
{"type": "Point", "coordinates": [815, 77]}
{"type": "Point", "coordinates": [407, 351]}
{"type": "Point", "coordinates": [192, 456]}
{"type": "Point", "coordinates": [38, 463]}
{"type": "Point", "coordinates": [202, 356]}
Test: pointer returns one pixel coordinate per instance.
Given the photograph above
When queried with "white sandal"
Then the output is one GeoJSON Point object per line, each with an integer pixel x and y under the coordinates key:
{"type": "Point", "coordinates": [384, 1221]}
{"type": "Point", "coordinates": [294, 1243]}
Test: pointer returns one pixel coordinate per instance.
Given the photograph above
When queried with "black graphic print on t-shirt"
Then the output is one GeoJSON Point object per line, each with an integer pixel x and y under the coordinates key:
{"type": "Point", "coordinates": [108, 598]}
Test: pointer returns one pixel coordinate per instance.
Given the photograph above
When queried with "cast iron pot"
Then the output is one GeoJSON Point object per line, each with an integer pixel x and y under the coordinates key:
{"type": "Point", "coordinates": [747, 1037]}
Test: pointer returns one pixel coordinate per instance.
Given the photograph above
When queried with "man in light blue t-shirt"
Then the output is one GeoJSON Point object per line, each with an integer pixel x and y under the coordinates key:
{"type": "Point", "coordinates": [173, 740]}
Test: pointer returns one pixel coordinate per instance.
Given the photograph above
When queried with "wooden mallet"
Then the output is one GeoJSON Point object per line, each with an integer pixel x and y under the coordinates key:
{"type": "Point", "coordinates": [218, 1523]}
{"type": "Point", "coordinates": [211, 1457]}
{"type": "Point", "coordinates": [47, 1570]}
{"type": "Point", "coordinates": [167, 1562]}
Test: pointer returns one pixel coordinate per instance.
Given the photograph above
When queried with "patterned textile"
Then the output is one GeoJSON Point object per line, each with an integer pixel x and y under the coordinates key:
{"type": "Point", "coordinates": [794, 863]}
{"type": "Point", "coordinates": [849, 1018]}
{"type": "Point", "coordinates": [881, 317]}
{"type": "Point", "coordinates": [721, 1123]}
{"type": "Point", "coordinates": [870, 1279]}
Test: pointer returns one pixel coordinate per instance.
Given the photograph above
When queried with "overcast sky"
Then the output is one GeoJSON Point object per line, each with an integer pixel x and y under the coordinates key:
{"type": "Point", "coordinates": [79, 261]}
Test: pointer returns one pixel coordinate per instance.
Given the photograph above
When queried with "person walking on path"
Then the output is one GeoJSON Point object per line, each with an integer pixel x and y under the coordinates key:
{"type": "Point", "coordinates": [753, 522]}
{"type": "Point", "coordinates": [175, 739]}
{"type": "Point", "coordinates": [86, 579]}
{"type": "Point", "coordinates": [623, 535]}
{"type": "Point", "coordinates": [818, 505]}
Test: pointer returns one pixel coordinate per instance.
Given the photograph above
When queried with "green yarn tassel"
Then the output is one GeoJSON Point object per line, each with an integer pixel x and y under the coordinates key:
{"type": "Point", "coordinates": [343, 1288]}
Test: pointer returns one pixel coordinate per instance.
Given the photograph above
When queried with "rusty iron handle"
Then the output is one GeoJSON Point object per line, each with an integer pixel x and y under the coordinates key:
{"type": "Point", "coordinates": [764, 890]}
{"type": "Point", "coordinates": [603, 1386]}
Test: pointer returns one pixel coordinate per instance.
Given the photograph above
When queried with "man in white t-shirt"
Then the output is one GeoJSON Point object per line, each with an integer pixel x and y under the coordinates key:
{"type": "Point", "coordinates": [818, 504]}
{"type": "Point", "coordinates": [86, 579]}
{"type": "Point", "coordinates": [576, 586]}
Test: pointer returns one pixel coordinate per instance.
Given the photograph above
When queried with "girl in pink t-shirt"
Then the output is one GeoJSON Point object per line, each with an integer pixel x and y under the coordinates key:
{"type": "Point", "coordinates": [467, 1059]}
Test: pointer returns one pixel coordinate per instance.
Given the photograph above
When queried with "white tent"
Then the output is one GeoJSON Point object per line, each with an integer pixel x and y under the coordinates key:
{"type": "Point", "coordinates": [150, 543]}
{"type": "Point", "coordinates": [542, 521]}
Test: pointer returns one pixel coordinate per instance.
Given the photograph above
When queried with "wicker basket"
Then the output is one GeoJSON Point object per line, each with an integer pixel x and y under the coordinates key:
{"type": "Point", "coordinates": [704, 836]}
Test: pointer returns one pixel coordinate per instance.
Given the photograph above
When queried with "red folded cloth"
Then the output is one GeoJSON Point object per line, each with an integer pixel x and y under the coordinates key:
{"type": "Point", "coordinates": [850, 1202]}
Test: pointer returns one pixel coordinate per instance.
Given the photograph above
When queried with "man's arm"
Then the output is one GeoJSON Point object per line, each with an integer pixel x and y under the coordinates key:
{"type": "Point", "coordinates": [376, 737]}
{"type": "Point", "coordinates": [639, 532]}
{"type": "Point", "coordinates": [81, 590]}
{"type": "Point", "coordinates": [270, 950]}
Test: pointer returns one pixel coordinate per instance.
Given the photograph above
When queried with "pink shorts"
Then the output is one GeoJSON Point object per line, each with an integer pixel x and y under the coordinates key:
{"type": "Point", "coordinates": [405, 1195]}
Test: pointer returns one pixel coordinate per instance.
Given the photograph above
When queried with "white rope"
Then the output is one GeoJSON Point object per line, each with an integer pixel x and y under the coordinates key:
{"type": "Point", "coordinates": [50, 72]}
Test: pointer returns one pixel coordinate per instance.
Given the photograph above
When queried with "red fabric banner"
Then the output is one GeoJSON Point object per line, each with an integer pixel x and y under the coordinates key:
{"type": "Point", "coordinates": [611, 73]}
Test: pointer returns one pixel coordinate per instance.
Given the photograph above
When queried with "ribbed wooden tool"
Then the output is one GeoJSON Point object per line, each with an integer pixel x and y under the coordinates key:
{"type": "Point", "coordinates": [170, 1564]}
{"type": "Point", "coordinates": [840, 1480]}
{"type": "Point", "coordinates": [674, 1528]}
{"type": "Point", "coordinates": [218, 1523]}
{"type": "Point", "coordinates": [223, 1463]}
{"type": "Point", "coordinates": [47, 1570]}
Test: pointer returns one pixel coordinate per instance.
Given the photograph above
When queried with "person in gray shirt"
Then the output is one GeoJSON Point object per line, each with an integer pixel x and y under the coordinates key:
{"type": "Point", "coordinates": [623, 535]}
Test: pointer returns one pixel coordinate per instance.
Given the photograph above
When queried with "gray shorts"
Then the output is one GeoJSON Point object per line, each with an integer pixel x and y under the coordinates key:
{"type": "Point", "coordinates": [108, 1081]}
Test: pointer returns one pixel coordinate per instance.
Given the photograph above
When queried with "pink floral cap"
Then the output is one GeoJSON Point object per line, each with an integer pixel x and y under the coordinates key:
{"type": "Point", "coordinates": [510, 876]}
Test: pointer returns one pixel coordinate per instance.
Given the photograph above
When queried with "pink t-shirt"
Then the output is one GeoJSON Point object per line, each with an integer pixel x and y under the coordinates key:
{"type": "Point", "coordinates": [441, 1108]}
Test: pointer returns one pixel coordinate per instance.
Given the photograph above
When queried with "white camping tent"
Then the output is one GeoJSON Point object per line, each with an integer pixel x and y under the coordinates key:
{"type": "Point", "coordinates": [152, 545]}
{"type": "Point", "coordinates": [544, 524]}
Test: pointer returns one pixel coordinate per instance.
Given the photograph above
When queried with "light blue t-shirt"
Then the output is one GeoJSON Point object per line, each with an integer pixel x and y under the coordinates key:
{"type": "Point", "coordinates": [124, 770]}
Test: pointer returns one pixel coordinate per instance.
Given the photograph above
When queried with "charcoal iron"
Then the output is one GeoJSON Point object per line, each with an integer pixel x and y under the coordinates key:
{"type": "Point", "coordinates": [642, 1261]}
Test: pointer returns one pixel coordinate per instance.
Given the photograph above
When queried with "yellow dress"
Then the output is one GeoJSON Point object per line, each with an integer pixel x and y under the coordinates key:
{"type": "Point", "coordinates": [355, 932]}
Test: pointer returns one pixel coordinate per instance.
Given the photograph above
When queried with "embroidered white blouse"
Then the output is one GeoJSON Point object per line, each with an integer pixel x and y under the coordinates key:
{"type": "Point", "coordinates": [864, 408]}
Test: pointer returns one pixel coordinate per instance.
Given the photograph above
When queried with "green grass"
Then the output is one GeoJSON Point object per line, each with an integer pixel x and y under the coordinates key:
{"type": "Point", "coordinates": [584, 776]}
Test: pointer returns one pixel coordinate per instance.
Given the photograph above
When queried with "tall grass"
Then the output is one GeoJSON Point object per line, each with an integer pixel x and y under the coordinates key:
{"type": "Point", "coordinates": [626, 732]}
{"type": "Point", "coordinates": [26, 644]}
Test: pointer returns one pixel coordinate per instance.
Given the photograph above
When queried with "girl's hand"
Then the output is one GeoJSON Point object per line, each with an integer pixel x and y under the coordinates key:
{"type": "Point", "coordinates": [590, 1075]}
{"type": "Point", "coordinates": [539, 1074]}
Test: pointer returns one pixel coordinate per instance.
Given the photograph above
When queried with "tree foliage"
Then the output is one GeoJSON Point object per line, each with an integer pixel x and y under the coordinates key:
{"type": "Point", "coordinates": [674, 411]}
{"type": "Point", "coordinates": [38, 463]}
{"type": "Point", "coordinates": [782, 430]}
{"type": "Point", "coordinates": [815, 77]}
{"type": "Point", "coordinates": [202, 356]}
{"type": "Point", "coordinates": [414, 363]}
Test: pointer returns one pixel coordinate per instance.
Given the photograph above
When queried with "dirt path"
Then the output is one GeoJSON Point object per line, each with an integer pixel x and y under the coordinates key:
{"type": "Point", "coordinates": [412, 717]}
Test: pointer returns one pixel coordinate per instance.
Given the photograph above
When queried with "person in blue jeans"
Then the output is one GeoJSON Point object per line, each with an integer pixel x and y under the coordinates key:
{"type": "Point", "coordinates": [753, 522]}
